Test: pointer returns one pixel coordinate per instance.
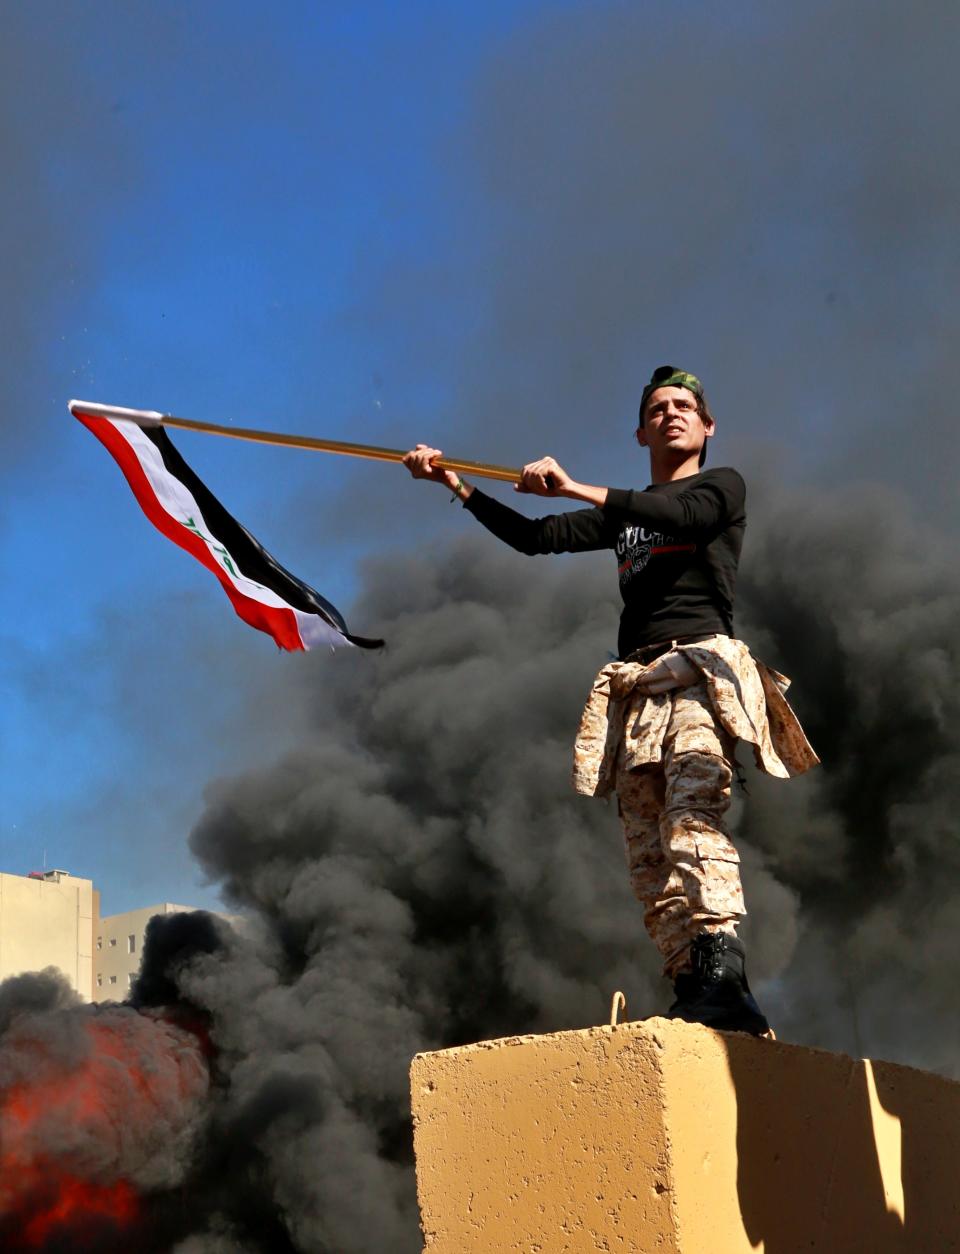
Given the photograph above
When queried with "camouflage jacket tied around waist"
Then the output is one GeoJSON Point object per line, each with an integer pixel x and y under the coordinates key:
{"type": "Point", "coordinates": [631, 703]}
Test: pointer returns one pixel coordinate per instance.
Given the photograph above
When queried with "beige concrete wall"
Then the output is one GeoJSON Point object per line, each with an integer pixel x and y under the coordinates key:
{"type": "Point", "coordinates": [48, 922]}
{"type": "Point", "coordinates": [662, 1136]}
{"type": "Point", "coordinates": [118, 947]}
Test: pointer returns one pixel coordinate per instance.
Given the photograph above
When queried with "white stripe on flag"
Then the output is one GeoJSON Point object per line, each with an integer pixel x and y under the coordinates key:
{"type": "Point", "coordinates": [314, 629]}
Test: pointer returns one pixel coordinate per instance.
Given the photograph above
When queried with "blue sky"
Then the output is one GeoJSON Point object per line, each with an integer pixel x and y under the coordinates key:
{"type": "Point", "coordinates": [480, 224]}
{"type": "Point", "coordinates": [220, 190]}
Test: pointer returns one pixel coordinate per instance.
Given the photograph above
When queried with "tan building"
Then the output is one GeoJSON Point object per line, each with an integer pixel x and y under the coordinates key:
{"type": "Point", "coordinates": [49, 919]}
{"type": "Point", "coordinates": [52, 919]}
{"type": "Point", "coordinates": [118, 948]}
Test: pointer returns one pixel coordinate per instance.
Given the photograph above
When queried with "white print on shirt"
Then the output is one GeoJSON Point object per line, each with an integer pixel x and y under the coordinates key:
{"type": "Point", "coordinates": [636, 545]}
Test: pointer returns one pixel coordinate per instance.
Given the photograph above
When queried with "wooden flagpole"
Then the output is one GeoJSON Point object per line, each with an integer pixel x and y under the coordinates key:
{"type": "Point", "coordinates": [151, 418]}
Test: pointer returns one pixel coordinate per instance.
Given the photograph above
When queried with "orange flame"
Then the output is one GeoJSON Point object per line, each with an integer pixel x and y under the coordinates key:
{"type": "Point", "coordinates": [79, 1137]}
{"type": "Point", "coordinates": [66, 1204]}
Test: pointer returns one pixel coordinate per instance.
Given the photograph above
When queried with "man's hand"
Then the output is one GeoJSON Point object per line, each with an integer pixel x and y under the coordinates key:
{"type": "Point", "coordinates": [548, 478]}
{"type": "Point", "coordinates": [545, 477]}
{"type": "Point", "coordinates": [419, 461]}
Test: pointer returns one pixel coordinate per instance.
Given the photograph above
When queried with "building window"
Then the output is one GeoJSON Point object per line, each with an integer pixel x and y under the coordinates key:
{"type": "Point", "coordinates": [131, 943]}
{"type": "Point", "coordinates": [99, 981]}
{"type": "Point", "coordinates": [113, 942]}
{"type": "Point", "coordinates": [131, 976]}
{"type": "Point", "coordinates": [99, 942]}
{"type": "Point", "coordinates": [113, 979]}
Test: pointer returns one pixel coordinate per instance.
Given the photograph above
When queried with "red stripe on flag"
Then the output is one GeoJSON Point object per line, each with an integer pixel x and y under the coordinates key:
{"type": "Point", "coordinates": [278, 623]}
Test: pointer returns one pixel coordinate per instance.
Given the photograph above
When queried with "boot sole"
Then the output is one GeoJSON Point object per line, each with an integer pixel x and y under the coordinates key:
{"type": "Point", "coordinates": [750, 1025]}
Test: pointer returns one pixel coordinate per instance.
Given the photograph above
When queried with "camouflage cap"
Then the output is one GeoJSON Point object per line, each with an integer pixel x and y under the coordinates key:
{"type": "Point", "coordinates": [671, 377]}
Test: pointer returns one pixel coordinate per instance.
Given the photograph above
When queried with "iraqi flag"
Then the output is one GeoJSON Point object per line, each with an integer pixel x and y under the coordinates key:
{"type": "Point", "coordinates": [262, 592]}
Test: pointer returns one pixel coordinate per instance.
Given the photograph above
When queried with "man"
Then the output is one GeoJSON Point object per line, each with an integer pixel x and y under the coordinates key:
{"type": "Point", "coordinates": [661, 724]}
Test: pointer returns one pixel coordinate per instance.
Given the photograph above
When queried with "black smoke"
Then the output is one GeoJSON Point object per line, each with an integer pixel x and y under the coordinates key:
{"type": "Point", "coordinates": [860, 603]}
{"type": "Point", "coordinates": [414, 870]}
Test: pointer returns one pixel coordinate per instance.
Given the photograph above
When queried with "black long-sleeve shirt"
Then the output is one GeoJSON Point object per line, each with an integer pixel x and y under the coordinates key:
{"type": "Point", "coordinates": [677, 546]}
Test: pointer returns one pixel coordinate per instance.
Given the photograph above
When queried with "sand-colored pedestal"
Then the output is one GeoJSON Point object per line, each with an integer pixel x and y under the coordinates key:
{"type": "Point", "coordinates": [660, 1136]}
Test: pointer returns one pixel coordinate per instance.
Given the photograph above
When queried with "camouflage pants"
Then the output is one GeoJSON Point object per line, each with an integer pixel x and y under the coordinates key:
{"type": "Point", "coordinates": [683, 867]}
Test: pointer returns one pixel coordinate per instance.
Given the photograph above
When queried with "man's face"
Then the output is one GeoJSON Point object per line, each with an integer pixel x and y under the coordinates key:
{"type": "Point", "coordinates": [672, 423]}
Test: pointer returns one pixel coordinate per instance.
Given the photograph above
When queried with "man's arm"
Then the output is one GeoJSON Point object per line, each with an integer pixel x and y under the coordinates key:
{"type": "Point", "coordinates": [579, 531]}
{"type": "Point", "coordinates": [693, 511]}
{"type": "Point", "coordinates": [717, 496]}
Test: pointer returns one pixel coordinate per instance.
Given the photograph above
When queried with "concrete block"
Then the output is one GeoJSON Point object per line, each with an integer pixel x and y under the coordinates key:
{"type": "Point", "coordinates": [668, 1137]}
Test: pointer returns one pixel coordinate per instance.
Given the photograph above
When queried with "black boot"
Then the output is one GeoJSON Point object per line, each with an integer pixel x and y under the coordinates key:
{"type": "Point", "coordinates": [716, 992]}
